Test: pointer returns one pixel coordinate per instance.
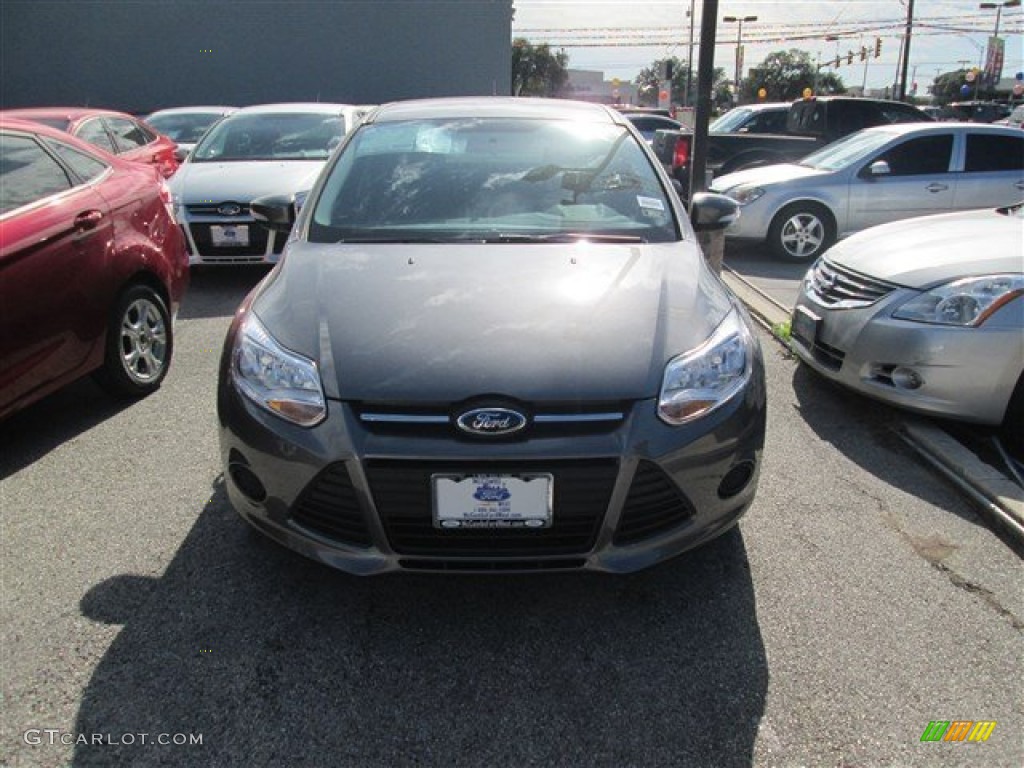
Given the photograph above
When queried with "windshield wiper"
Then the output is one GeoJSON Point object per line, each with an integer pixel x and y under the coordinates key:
{"type": "Point", "coordinates": [561, 237]}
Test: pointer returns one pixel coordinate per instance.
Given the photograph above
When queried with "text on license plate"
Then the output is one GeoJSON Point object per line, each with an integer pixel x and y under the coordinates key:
{"type": "Point", "coordinates": [492, 501]}
{"type": "Point", "coordinates": [228, 235]}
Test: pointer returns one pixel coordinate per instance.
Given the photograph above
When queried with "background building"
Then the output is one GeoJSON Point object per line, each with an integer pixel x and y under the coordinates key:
{"type": "Point", "coordinates": [144, 55]}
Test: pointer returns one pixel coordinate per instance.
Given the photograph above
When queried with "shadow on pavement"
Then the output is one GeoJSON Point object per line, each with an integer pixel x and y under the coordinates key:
{"type": "Point", "coordinates": [30, 434]}
{"type": "Point", "coordinates": [217, 291]}
{"type": "Point", "coordinates": [276, 660]}
{"type": "Point", "coordinates": [858, 427]}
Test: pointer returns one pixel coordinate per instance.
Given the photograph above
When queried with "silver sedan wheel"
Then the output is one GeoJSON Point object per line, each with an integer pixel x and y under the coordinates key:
{"type": "Point", "coordinates": [143, 337]}
{"type": "Point", "coordinates": [803, 235]}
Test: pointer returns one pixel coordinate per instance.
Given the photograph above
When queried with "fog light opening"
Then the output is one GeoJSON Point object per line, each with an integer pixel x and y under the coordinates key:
{"type": "Point", "coordinates": [906, 378]}
{"type": "Point", "coordinates": [735, 480]}
{"type": "Point", "coordinates": [247, 482]}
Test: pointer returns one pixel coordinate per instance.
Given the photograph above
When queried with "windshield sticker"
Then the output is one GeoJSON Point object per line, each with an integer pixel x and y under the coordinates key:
{"type": "Point", "coordinates": [650, 203]}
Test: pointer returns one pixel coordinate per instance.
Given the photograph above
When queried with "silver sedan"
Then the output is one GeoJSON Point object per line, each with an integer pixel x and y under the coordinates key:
{"type": "Point", "coordinates": [875, 176]}
{"type": "Point", "coordinates": [926, 314]}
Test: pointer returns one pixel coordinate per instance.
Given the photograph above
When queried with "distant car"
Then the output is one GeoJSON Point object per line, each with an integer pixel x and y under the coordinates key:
{"type": "Point", "coordinates": [114, 132]}
{"type": "Point", "coordinates": [647, 123]}
{"type": "Point", "coordinates": [926, 314]}
{"type": "Point", "coordinates": [769, 117]}
{"type": "Point", "coordinates": [1014, 119]}
{"type": "Point", "coordinates": [255, 151]}
{"type": "Point", "coordinates": [977, 111]}
{"type": "Point", "coordinates": [92, 267]}
{"type": "Point", "coordinates": [493, 344]}
{"type": "Point", "coordinates": [186, 125]}
{"type": "Point", "coordinates": [874, 176]}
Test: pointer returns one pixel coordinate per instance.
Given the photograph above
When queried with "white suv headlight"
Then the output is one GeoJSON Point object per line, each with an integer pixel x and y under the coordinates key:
{"type": "Point", "coordinates": [967, 302]}
{"type": "Point", "coordinates": [280, 381]}
{"type": "Point", "coordinates": [701, 380]}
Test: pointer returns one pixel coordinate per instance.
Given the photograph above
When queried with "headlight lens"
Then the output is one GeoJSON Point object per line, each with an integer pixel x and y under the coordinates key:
{"type": "Point", "coordinates": [744, 194]}
{"type": "Point", "coordinates": [968, 302]}
{"type": "Point", "coordinates": [282, 382]}
{"type": "Point", "coordinates": [701, 380]}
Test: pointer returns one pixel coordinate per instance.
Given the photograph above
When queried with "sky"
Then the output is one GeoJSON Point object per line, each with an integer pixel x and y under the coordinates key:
{"type": "Point", "coordinates": [947, 34]}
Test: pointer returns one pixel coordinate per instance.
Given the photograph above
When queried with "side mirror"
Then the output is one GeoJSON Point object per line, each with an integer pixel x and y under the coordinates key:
{"type": "Point", "coordinates": [275, 212]}
{"type": "Point", "coordinates": [180, 153]}
{"type": "Point", "coordinates": [710, 212]}
{"type": "Point", "coordinates": [879, 168]}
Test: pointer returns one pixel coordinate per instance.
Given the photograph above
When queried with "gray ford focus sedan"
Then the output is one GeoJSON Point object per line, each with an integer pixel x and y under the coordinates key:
{"type": "Point", "coordinates": [491, 343]}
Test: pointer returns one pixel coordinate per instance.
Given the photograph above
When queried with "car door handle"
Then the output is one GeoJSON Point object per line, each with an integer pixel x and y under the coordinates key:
{"type": "Point", "coordinates": [88, 220]}
{"type": "Point", "coordinates": [937, 187]}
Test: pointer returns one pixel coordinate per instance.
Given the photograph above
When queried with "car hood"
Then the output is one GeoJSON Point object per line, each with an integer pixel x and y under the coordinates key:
{"type": "Point", "coordinates": [196, 183]}
{"type": "Point", "coordinates": [442, 323]}
{"type": "Point", "coordinates": [928, 250]}
{"type": "Point", "coordinates": [768, 174]}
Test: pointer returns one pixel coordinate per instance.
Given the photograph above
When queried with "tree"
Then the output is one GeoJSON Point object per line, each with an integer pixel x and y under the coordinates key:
{"type": "Point", "coordinates": [948, 87]}
{"type": "Point", "coordinates": [785, 75]}
{"type": "Point", "coordinates": [536, 71]}
{"type": "Point", "coordinates": [649, 81]}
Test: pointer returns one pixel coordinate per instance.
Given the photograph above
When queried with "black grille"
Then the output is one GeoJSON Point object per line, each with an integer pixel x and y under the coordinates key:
{"type": "Point", "coordinates": [329, 506]}
{"type": "Point", "coordinates": [403, 495]}
{"type": "Point", "coordinates": [836, 286]}
{"type": "Point", "coordinates": [654, 505]}
{"type": "Point", "coordinates": [210, 209]}
{"type": "Point", "coordinates": [828, 356]}
{"type": "Point", "coordinates": [477, 566]}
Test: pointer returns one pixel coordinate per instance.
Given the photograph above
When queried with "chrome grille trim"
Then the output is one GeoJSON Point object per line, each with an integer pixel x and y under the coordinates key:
{"type": "Point", "coordinates": [576, 418]}
{"type": "Point", "coordinates": [544, 418]}
{"type": "Point", "coordinates": [402, 418]}
{"type": "Point", "coordinates": [842, 288]}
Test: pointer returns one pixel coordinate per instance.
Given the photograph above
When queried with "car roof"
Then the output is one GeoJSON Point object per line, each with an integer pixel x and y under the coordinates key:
{"type": "Point", "coordinates": [768, 105]}
{"type": "Point", "coordinates": [8, 123]}
{"type": "Point", "coordinates": [67, 113]}
{"type": "Point", "coordinates": [496, 106]}
{"type": "Point", "coordinates": [192, 110]}
{"type": "Point", "coordinates": [899, 129]}
{"type": "Point", "coordinates": [313, 107]}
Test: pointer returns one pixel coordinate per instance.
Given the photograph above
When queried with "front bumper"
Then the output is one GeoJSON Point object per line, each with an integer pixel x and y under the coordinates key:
{"type": "Point", "coordinates": [357, 496]}
{"type": "Point", "coordinates": [261, 246]}
{"type": "Point", "coordinates": [960, 373]}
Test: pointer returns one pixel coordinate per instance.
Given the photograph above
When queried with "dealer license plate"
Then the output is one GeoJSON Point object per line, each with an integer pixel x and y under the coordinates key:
{"type": "Point", "coordinates": [805, 326]}
{"type": "Point", "coordinates": [492, 501]}
{"type": "Point", "coordinates": [228, 235]}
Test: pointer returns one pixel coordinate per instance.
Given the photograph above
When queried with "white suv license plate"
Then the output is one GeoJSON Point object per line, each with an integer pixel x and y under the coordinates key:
{"type": "Point", "coordinates": [228, 235]}
{"type": "Point", "coordinates": [492, 501]}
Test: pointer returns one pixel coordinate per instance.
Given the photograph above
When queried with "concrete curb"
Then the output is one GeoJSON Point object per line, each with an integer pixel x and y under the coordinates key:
{"type": "Point", "coordinates": [997, 497]}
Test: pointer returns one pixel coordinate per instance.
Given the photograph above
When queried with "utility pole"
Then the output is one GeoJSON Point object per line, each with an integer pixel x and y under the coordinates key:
{"type": "Point", "coordinates": [904, 65]}
{"type": "Point", "coordinates": [705, 70]}
{"type": "Point", "coordinates": [689, 61]}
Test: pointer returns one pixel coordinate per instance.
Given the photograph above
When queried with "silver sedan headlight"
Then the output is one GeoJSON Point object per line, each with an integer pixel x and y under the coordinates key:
{"type": "Point", "coordinates": [280, 381]}
{"type": "Point", "coordinates": [968, 302]}
{"type": "Point", "coordinates": [705, 378]}
{"type": "Point", "coordinates": [744, 194]}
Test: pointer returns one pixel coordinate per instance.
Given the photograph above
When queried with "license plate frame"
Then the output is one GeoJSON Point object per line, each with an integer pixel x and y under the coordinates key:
{"type": "Point", "coordinates": [805, 326]}
{"type": "Point", "coordinates": [229, 235]}
{"type": "Point", "coordinates": [492, 501]}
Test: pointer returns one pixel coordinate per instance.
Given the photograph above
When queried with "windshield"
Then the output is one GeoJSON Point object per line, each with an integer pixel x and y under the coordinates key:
{"type": "Point", "coordinates": [731, 120]}
{"type": "Point", "coordinates": [271, 136]}
{"type": "Point", "coordinates": [184, 128]}
{"type": "Point", "coordinates": [506, 180]}
{"type": "Point", "coordinates": [845, 152]}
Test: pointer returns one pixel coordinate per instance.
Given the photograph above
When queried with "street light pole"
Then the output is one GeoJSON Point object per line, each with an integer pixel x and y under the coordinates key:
{"type": "Point", "coordinates": [689, 61]}
{"type": "Point", "coordinates": [739, 47]}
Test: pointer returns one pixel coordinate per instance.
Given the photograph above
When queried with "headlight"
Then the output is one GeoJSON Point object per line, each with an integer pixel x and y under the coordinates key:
{"type": "Point", "coordinates": [282, 382]}
{"type": "Point", "coordinates": [744, 194]}
{"type": "Point", "coordinates": [967, 302]}
{"type": "Point", "coordinates": [705, 378]}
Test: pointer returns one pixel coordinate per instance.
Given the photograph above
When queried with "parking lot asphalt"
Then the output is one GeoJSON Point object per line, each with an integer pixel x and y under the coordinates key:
{"type": "Point", "coordinates": [769, 289]}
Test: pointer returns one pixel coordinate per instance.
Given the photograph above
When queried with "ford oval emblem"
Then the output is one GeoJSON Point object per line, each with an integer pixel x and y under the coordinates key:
{"type": "Point", "coordinates": [491, 422]}
{"type": "Point", "coordinates": [229, 209]}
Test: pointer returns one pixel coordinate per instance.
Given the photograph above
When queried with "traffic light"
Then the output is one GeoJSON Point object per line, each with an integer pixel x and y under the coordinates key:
{"type": "Point", "coordinates": [863, 53]}
{"type": "Point", "coordinates": [849, 57]}
{"type": "Point", "coordinates": [838, 62]}
{"type": "Point", "coordinates": [878, 47]}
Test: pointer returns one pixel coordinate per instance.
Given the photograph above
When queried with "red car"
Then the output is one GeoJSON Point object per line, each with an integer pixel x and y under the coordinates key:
{"type": "Point", "coordinates": [114, 132]}
{"type": "Point", "coordinates": [92, 267]}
